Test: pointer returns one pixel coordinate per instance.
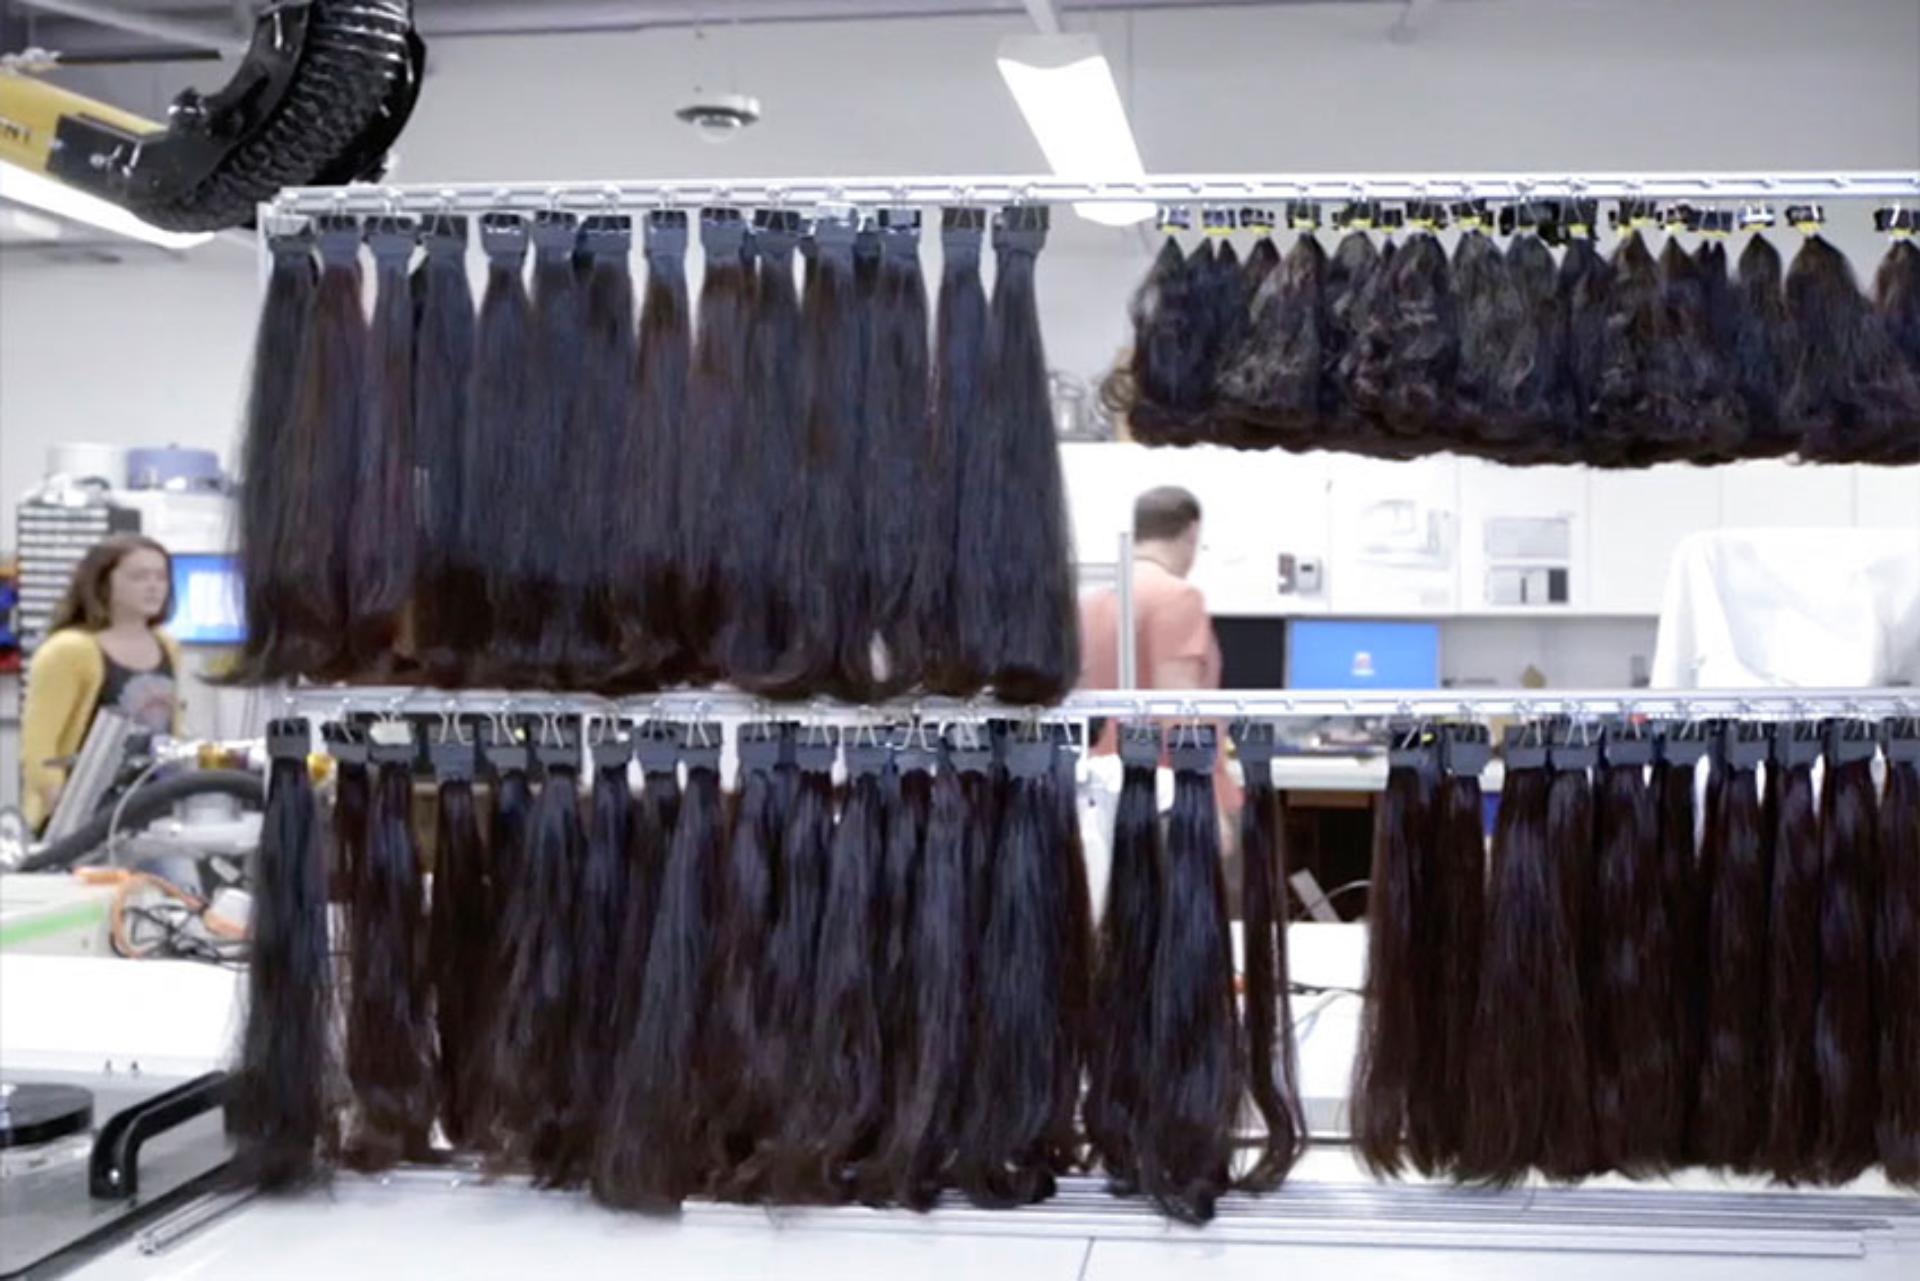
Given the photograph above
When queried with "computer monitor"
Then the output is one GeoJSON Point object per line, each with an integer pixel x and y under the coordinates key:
{"type": "Point", "coordinates": [1363, 654]}
{"type": "Point", "coordinates": [206, 600]}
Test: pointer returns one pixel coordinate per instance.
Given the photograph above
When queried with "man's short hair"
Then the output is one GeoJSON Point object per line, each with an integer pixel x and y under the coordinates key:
{"type": "Point", "coordinates": [1163, 513]}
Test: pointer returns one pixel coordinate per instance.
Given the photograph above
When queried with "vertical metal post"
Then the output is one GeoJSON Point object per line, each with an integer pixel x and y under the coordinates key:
{"type": "Point", "coordinates": [1129, 659]}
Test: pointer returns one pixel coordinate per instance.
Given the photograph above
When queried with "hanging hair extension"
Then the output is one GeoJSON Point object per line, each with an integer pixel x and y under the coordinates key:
{"type": "Point", "coordinates": [714, 437]}
{"type": "Point", "coordinates": [906, 794]}
{"type": "Point", "coordinates": [1262, 261]}
{"type": "Point", "coordinates": [777, 1069]}
{"type": "Point", "coordinates": [501, 402]}
{"type": "Point", "coordinates": [1845, 1040]}
{"type": "Point", "coordinates": [764, 502]}
{"type": "Point", "coordinates": [445, 638]}
{"type": "Point", "coordinates": [1896, 298]}
{"type": "Point", "coordinates": [1541, 391]}
{"type": "Point", "coordinates": [1584, 298]}
{"type": "Point", "coordinates": [347, 832]}
{"type": "Point", "coordinates": [599, 909]}
{"type": "Point", "coordinates": [820, 563]}
{"type": "Point", "coordinates": [1390, 1052]}
{"type": "Point", "coordinates": [1763, 348]}
{"type": "Point", "coordinates": [840, 1107]}
{"type": "Point", "coordinates": [460, 939]}
{"type": "Point", "coordinates": [1003, 1158]}
{"type": "Point", "coordinates": [1639, 1096]}
{"type": "Point", "coordinates": [1851, 397]}
{"type": "Point", "coordinates": [306, 591]}
{"type": "Point", "coordinates": [1696, 357]}
{"type": "Point", "coordinates": [1448, 933]}
{"type": "Point", "coordinates": [1228, 300]}
{"type": "Point", "coordinates": [598, 443]}
{"type": "Point", "coordinates": [1637, 406]}
{"type": "Point", "coordinates": [1677, 754]}
{"type": "Point", "coordinates": [1409, 349]}
{"type": "Point", "coordinates": [1029, 621]}
{"type": "Point", "coordinates": [538, 1014]}
{"type": "Point", "coordinates": [382, 534]}
{"type": "Point", "coordinates": [1793, 955]}
{"type": "Point", "coordinates": [389, 1024]}
{"type": "Point", "coordinates": [508, 761]}
{"type": "Point", "coordinates": [1277, 382]}
{"type": "Point", "coordinates": [930, 1037]}
{"type": "Point", "coordinates": [281, 1113]}
{"type": "Point", "coordinates": [266, 443]}
{"type": "Point", "coordinates": [1493, 355]}
{"type": "Point", "coordinates": [650, 1155]}
{"type": "Point", "coordinates": [1160, 392]}
{"type": "Point", "coordinates": [646, 583]}
{"type": "Point", "coordinates": [1273, 1066]}
{"type": "Point", "coordinates": [1730, 1116]}
{"type": "Point", "coordinates": [738, 1106]}
{"type": "Point", "coordinates": [899, 468]}
{"type": "Point", "coordinates": [1194, 1084]}
{"type": "Point", "coordinates": [1567, 1146]}
{"type": "Point", "coordinates": [1073, 898]}
{"type": "Point", "coordinates": [948, 572]}
{"type": "Point", "coordinates": [1523, 1100]}
{"type": "Point", "coordinates": [1349, 287]}
{"type": "Point", "coordinates": [1896, 946]}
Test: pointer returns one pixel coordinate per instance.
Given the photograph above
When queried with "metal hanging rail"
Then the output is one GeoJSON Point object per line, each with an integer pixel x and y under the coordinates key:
{"type": "Point", "coordinates": [1683, 704]}
{"type": "Point", "coordinates": [1167, 189]}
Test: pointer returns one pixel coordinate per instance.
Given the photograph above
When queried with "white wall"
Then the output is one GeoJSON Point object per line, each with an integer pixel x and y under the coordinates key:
{"type": "Point", "coordinates": [153, 350]}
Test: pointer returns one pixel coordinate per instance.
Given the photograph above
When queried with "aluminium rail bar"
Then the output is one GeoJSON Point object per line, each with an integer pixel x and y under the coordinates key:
{"type": "Point", "coordinates": [1165, 189]}
{"type": "Point", "coordinates": [1683, 704]}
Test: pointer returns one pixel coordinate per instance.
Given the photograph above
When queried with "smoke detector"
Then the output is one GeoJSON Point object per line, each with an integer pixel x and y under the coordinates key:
{"type": "Point", "coordinates": [719, 116]}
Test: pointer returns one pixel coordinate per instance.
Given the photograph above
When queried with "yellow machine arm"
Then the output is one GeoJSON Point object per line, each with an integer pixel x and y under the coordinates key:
{"type": "Point", "coordinates": [31, 110]}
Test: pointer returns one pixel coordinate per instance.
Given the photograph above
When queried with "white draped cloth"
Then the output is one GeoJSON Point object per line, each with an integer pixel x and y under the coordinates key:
{"type": "Point", "coordinates": [1792, 608]}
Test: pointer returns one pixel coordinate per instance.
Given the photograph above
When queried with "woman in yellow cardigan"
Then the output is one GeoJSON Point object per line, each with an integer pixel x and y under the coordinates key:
{"type": "Point", "coordinates": [104, 649]}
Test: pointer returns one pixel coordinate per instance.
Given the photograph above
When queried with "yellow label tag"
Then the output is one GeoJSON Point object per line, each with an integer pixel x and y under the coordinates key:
{"type": "Point", "coordinates": [1361, 224]}
{"type": "Point", "coordinates": [1580, 229]}
{"type": "Point", "coordinates": [1471, 223]}
{"type": "Point", "coordinates": [1220, 231]}
{"type": "Point", "coordinates": [1901, 233]}
{"type": "Point", "coordinates": [1807, 228]}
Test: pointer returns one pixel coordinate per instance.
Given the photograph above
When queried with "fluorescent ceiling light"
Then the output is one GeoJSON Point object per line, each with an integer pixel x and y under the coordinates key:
{"type": "Point", "coordinates": [23, 186]}
{"type": "Point", "coordinates": [1065, 89]}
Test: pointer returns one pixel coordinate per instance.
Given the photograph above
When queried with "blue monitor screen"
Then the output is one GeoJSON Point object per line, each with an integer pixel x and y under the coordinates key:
{"type": "Point", "coordinates": [206, 600]}
{"type": "Point", "coordinates": [1363, 654]}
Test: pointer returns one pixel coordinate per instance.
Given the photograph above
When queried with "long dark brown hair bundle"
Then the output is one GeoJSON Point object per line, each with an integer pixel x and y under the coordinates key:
{"type": "Point", "coordinates": [1762, 353]}
{"type": "Point", "coordinates": [1118, 1056]}
{"type": "Point", "coordinates": [650, 1154]}
{"type": "Point", "coordinates": [1523, 1107]}
{"type": "Point", "coordinates": [1845, 1044]}
{"type": "Point", "coordinates": [1400, 373]}
{"type": "Point", "coordinates": [1390, 1053]}
{"type": "Point", "coordinates": [1166, 387]}
{"type": "Point", "coordinates": [531, 1080]}
{"type": "Point", "coordinates": [282, 1108]}
{"type": "Point", "coordinates": [1029, 621]}
{"type": "Point", "coordinates": [381, 534]}
{"type": "Point", "coordinates": [1678, 751]}
{"type": "Point", "coordinates": [1851, 397]}
{"type": "Point", "coordinates": [1272, 1063]}
{"type": "Point", "coordinates": [307, 583]}
{"type": "Point", "coordinates": [1693, 364]}
{"type": "Point", "coordinates": [1278, 384]}
{"type": "Point", "coordinates": [447, 630]}
{"type": "Point", "coordinates": [1639, 1094]}
{"type": "Point", "coordinates": [1730, 1108]}
{"type": "Point", "coordinates": [460, 937]}
{"type": "Point", "coordinates": [267, 486]}
{"type": "Point", "coordinates": [1896, 942]}
{"type": "Point", "coordinates": [500, 402]}
{"type": "Point", "coordinates": [1194, 1064]}
{"type": "Point", "coordinates": [389, 1052]}
{"type": "Point", "coordinates": [1793, 955]}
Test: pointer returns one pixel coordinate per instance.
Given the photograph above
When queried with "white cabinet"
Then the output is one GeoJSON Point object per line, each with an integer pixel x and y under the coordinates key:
{"type": "Point", "coordinates": [1393, 535]}
{"type": "Point", "coordinates": [1523, 538]}
{"type": "Point", "coordinates": [1635, 520]}
{"type": "Point", "coordinates": [1771, 493]}
{"type": "Point", "coordinates": [1886, 497]}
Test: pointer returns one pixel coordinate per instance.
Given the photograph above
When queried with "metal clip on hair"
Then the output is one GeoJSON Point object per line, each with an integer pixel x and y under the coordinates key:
{"type": "Point", "coordinates": [666, 233]}
{"type": "Point", "coordinates": [338, 236]}
{"type": "Point", "coordinates": [1465, 750]}
{"type": "Point", "coordinates": [504, 238]}
{"type": "Point", "coordinates": [1303, 215]}
{"type": "Point", "coordinates": [391, 742]}
{"type": "Point", "coordinates": [701, 747]}
{"type": "Point", "coordinates": [722, 232]}
{"type": "Point", "coordinates": [554, 233]}
{"type": "Point", "coordinates": [1850, 742]}
{"type": "Point", "coordinates": [289, 739]}
{"type": "Point", "coordinates": [1174, 218]}
{"type": "Point", "coordinates": [1255, 741]}
{"type": "Point", "coordinates": [1627, 745]}
{"type": "Point", "coordinates": [607, 235]}
{"type": "Point", "coordinates": [1681, 745]}
{"type": "Point", "coordinates": [1794, 744]}
{"type": "Point", "coordinates": [1807, 219]}
{"type": "Point", "coordinates": [759, 746]}
{"type": "Point", "coordinates": [1218, 222]}
{"type": "Point", "coordinates": [1193, 748]}
{"type": "Point", "coordinates": [1021, 229]}
{"type": "Point", "coordinates": [866, 758]}
{"type": "Point", "coordinates": [1260, 221]}
{"type": "Point", "coordinates": [612, 752]}
{"type": "Point", "coordinates": [1140, 746]}
{"type": "Point", "coordinates": [816, 748]}
{"type": "Point", "coordinates": [913, 751]}
{"type": "Point", "coordinates": [656, 745]}
{"type": "Point", "coordinates": [1743, 744]}
{"type": "Point", "coordinates": [1471, 215]}
{"type": "Point", "coordinates": [390, 238]}
{"type": "Point", "coordinates": [452, 760]}
{"type": "Point", "coordinates": [1900, 739]}
{"type": "Point", "coordinates": [1524, 748]}
{"type": "Point", "coordinates": [900, 231]}
{"type": "Point", "coordinates": [295, 243]}
{"type": "Point", "coordinates": [1892, 220]}
{"type": "Point", "coordinates": [344, 743]}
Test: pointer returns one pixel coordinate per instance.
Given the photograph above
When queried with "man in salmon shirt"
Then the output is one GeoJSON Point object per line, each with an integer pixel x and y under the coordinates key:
{"type": "Point", "coordinates": [1173, 636]}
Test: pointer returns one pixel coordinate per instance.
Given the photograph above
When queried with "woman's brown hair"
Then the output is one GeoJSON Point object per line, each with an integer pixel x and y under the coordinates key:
{"type": "Point", "coordinates": [89, 599]}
